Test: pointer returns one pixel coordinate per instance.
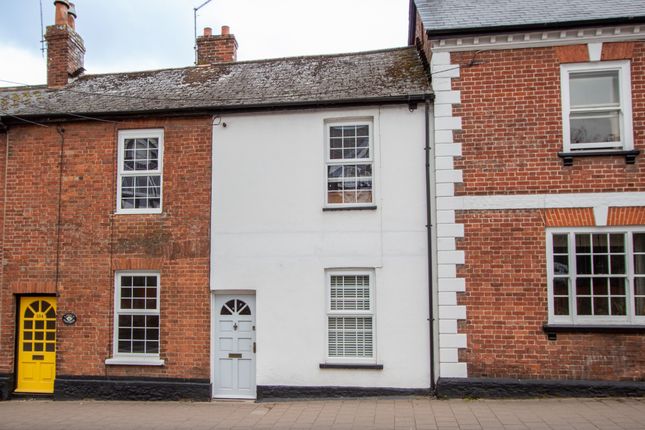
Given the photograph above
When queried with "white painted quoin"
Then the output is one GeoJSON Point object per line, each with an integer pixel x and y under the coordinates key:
{"type": "Point", "coordinates": [272, 238]}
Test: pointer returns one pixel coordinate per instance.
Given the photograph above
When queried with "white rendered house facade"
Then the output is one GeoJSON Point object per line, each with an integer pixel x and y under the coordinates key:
{"type": "Point", "coordinates": [319, 219]}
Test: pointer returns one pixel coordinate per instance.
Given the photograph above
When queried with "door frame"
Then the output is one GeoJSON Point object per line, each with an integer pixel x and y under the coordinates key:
{"type": "Point", "coordinates": [16, 339]}
{"type": "Point", "coordinates": [214, 320]}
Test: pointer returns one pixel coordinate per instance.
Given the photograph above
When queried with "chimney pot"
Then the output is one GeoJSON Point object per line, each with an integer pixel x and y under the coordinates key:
{"type": "Point", "coordinates": [71, 16]}
{"type": "Point", "coordinates": [208, 31]}
{"type": "Point", "coordinates": [225, 30]}
{"type": "Point", "coordinates": [62, 9]}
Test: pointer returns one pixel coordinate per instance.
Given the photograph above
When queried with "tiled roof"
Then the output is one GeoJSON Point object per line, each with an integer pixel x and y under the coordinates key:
{"type": "Point", "coordinates": [455, 15]}
{"type": "Point", "coordinates": [277, 82]}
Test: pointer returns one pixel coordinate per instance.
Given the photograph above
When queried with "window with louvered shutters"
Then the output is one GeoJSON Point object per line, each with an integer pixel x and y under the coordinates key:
{"type": "Point", "coordinates": [350, 321]}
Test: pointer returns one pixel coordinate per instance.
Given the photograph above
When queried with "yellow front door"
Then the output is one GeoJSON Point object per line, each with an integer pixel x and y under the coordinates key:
{"type": "Point", "coordinates": [37, 345]}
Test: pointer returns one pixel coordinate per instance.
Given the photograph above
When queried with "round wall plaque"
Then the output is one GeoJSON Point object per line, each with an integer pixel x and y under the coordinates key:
{"type": "Point", "coordinates": [69, 318]}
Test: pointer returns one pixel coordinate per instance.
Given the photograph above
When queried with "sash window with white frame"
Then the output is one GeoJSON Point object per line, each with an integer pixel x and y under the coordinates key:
{"type": "Point", "coordinates": [597, 106]}
{"type": "Point", "coordinates": [140, 171]}
{"type": "Point", "coordinates": [596, 277]}
{"type": "Point", "coordinates": [349, 164]}
{"type": "Point", "coordinates": [350, 316]}
{"type": "Point", "coordinates": [136, 318]}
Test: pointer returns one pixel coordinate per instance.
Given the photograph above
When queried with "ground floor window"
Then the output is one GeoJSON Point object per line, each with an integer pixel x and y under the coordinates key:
{"type": "Point", "coordinates": [596, 276]}
{"type": "Point", "coordinates": [350, 316]}
{"type": "Point", "coordinates": [136, 331]}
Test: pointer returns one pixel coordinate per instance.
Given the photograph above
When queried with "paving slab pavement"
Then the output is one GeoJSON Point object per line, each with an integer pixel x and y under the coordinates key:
{"type": "Point", "coordinates": [420, 413]}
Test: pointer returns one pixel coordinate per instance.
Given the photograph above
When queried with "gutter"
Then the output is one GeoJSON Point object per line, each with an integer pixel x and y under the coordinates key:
{"type": "Point", "coordinates": [537, 26]}
{"type": "Point", "coordinates": [211, 110]}
{"type": "Point", "coordinates": [429, 239]}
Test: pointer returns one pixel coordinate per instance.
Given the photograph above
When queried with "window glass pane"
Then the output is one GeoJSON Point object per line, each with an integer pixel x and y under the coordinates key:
{"type": "Point", "coordinates": [601, 306]}
{"type": "Point", "coordinates": [584, 305]}
{"type": "Point", "coordinates": [560, 264]}
{"type": "Point", "coordinates": [350, 337]}
{"type": "Point", "coordinates": [600, 286]}
{"type": "Point", "coordinates": [617, 243]}
{"type": "Point", "coordinates": [583, 286]}
{"type": "Point", "coordinates": [640, 306]}
{"type": "Point", "coordinates": [350, 292]}
{"type": "Point", "coordinates": [639, 242]}
{"type": "Point", "coordinates": [639, 264]}
{"type": "Point", "coordinates": [561, 306]}
{"type": "Point", "coordinates": [560, 244]}
{"type": "Point", "coordinates": [583, 244]}
{"type": "Point", "coordinates": [595, 127]}
{"type": "Point", "coordinates": [599, 243]}
{"type": "Point", "coordinates": [617, 286]}
{"type": "Point", "coordinates": [583, 264]}
{"type": "Point", "coordinates": [639, 286]}
{"type": "Point", "coordinates": [362, 130]}
{"type": "Point", "coordinates": [594, 88]}
{"type": "Point", "coordinates": [561, 287]}
{"type": "Point", "coordinates": [618, 264]}
{"type": "Point", "coordinates": [600, 264]}
{"type": "Point", "coordinates": [618, 306]}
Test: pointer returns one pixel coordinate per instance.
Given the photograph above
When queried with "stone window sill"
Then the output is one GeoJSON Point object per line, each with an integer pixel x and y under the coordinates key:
{"type": "Point", "coordinates": [567, 157]}
{"type": "Point", "coordinates": [351, 366]}
{"type": "Point", "coordinates": [134, 361]}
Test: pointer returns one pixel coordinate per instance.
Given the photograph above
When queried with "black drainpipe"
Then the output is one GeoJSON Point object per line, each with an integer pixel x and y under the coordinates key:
{"type": "Point", "coordinates": [429, 233]}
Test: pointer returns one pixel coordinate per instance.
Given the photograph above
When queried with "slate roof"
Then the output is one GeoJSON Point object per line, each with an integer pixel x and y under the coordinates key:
{"type": "Point", "coordinates": [253, 84]}
{"type": "Point", "coordinates": [446, 16]}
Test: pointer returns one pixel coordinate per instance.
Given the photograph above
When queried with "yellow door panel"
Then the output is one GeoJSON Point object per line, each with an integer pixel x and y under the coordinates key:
{"type": "Point", "coordinates": [37, 345]}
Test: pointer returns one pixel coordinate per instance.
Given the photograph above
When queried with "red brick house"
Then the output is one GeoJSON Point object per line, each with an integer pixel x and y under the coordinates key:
{"type": "Point", "coordinates": [539, 190]}
{"type": "Point", "coordinates": [106, 287]}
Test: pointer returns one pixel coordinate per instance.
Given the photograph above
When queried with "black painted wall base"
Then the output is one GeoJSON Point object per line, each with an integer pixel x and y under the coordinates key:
{"type": "Point", "coordinates": [6, 385]}
{"type": "Point", "coordinates": [102, 388]}
{"type": "Point", "coordinates": [269, 392]}
{"type": "Point", "coordinates": [526, 388]}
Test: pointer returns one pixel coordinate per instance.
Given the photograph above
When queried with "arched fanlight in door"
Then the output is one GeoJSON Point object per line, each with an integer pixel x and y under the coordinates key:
{"type": "Point", "coordinates": [235, 306]}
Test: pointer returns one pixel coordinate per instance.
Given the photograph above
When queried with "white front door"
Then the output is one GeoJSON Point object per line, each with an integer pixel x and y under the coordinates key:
{"type": "Point", "coordinates": [234, 346]}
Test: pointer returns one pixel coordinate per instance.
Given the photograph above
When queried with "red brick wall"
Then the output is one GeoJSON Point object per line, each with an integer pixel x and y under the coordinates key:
{"type": "Point", "coordinates": [506, 299]}
{"type": "Point", "coordinates": [512, 126]}
{"type": "Point", "coordinates": [94, 241]}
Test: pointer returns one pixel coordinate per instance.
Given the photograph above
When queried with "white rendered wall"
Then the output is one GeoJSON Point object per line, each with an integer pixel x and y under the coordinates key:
{"type": "Point", "coordinates": [270, 235]}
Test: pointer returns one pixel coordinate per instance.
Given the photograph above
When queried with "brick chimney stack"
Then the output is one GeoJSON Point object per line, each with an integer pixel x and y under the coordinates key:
{"type": "Point", "coordinates": [216, 49]}
{"type": "Point", "coordinates": [65, 49]}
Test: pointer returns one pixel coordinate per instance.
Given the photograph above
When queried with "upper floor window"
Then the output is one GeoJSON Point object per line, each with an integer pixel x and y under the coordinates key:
{"type": "Point", "coordinates": [596, 106]}
{"type": "Point", "coordinates": [596, 276]}
{"type": "Point", "coordinates": [350, 164]}
{"type": "Point", "coordinates": [140, 171]}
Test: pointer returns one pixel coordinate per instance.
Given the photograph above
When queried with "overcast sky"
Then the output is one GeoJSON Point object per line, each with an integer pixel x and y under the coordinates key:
{"type": "Point", "coordinates": [127, 35]}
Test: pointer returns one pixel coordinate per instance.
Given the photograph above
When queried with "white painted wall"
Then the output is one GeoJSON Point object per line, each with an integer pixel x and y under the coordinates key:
{"type": "Point", "coordinates": [270, 235]}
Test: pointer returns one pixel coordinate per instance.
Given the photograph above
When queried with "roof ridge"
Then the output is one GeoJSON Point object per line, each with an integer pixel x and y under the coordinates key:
{"type": "Point", "coordinates": [257, 61]}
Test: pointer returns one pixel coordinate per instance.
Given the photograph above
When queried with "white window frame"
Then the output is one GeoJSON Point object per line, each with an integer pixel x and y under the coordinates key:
{"type": "Point", "coordinates": [137, 359]}
{"type": "Point", "coordinates": [335, 162]}
{"type": "Point", "coordinates": [625, 115]}
{"type": "Point", "coordinates": [133, 134]}
{"type": "Point", "coordinates": [606, 320]}
{"type": "Point", "coordinates": [350, 313]}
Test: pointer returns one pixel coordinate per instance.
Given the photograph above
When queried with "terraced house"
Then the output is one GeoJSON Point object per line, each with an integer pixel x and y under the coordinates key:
{"type": "Point", "coordinates": [231, 229]}
{"type": "Point", "coordinates": [539, 128]}
{"type": "Point", "coordinates": [463, 216]}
